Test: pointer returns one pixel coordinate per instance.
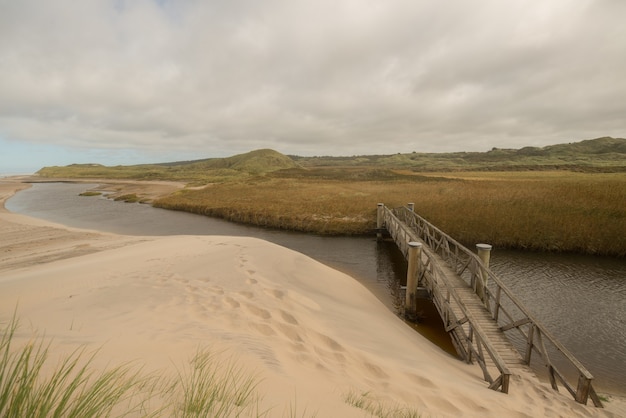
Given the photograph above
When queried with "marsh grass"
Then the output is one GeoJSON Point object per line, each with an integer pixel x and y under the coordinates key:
{"type": "Point", "coordinates": [128, 198]}
{"type": "Point", "coordinates": [547, 211]}
{"type": "Point", "coordinates": [575, 207]}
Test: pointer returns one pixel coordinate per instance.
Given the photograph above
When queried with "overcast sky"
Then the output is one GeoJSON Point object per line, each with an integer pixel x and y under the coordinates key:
{"type": "Point", "coordinates": [135, 81]}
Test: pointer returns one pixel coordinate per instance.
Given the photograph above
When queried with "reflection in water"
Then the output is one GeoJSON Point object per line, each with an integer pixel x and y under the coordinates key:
{"type": "Point", "coordinates": [581, 300]}
{"type": "Point", "coordinates": [392, 266]}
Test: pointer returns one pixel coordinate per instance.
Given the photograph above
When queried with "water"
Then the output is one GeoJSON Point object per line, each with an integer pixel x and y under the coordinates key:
{"type": "Point", "coordinates": [371, 262]}
{"type": "Point", "coordinates": [580, 299]}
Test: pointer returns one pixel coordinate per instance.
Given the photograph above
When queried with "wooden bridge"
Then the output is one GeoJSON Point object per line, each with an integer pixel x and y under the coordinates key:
{"type": "Point", "coordinates": [486, 322]}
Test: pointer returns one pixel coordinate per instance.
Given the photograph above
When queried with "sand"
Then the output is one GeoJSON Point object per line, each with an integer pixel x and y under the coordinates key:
{"type": "Point", "coordinates": [311, 334]}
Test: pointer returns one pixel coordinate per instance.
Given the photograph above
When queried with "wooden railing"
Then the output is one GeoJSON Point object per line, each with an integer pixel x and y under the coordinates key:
{"type": "Point", "coordinates": [468, 338]}
{"type": "Point", "coordinates": [522, 328]}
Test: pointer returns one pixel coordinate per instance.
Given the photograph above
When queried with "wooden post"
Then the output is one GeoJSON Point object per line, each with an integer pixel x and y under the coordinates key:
{"type": "Point", "coordinates": [484, 253]}
{"type": "Point", "coordinates": [414, 258]}
{"type": "Point", "coordinates": [411, 207]}
{"type": "Point", "coordinates": [379, 221]}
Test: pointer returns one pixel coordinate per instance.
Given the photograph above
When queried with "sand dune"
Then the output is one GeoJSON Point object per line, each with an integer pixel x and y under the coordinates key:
{"type": "Point", "coordinates": [309, 332]}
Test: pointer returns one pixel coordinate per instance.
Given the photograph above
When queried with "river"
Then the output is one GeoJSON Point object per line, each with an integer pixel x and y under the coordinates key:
{"type": "Point", "coordinates": [580, 299]}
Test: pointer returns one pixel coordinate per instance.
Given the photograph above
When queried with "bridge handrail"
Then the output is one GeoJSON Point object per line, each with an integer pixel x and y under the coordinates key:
{"type": "Point", "coordinates": [497, 298]}
{"type": "Point", "coordinates": [469, 346]}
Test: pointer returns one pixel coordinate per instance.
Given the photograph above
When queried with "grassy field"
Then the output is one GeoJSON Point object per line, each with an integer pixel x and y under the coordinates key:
{"type": "Point", "coordinates": [547, 211]}
{"type": "Point", "coordinates": [567, 197]}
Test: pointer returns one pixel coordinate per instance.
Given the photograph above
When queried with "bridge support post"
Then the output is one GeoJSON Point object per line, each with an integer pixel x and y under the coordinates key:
{"type": "Point", "coordinates": [484, 253]}
{"type": "Point", "coordinates": [379, 221]}
{"type": "Point", "coordinates": [414, 260]}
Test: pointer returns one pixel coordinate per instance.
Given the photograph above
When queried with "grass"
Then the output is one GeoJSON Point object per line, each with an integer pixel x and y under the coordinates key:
{"type": "Point", "coordinates": [210, 386]}
{"type": "Point", "coordinates": [211, 170]}
{"type": "Point", "coordinates": [377, 408]}
{"type": "Point", "coordinates": [566, 197]}
{"type": "Point", "coordinates": [215, 388]}
{"type": "Point", "coordinates": [547, 211]}
{"type": "Point", "coordinates": [128, 198]}
{"type": "Point", "coordinates": [72, 389]}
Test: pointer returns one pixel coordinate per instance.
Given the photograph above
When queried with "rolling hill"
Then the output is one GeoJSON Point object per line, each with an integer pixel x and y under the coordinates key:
{"type": "Point", "coordinates": [604, 154]}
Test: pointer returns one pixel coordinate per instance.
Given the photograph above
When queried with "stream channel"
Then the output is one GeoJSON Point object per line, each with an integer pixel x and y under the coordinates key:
{"type": "Point", "coordinates": [580, 299]}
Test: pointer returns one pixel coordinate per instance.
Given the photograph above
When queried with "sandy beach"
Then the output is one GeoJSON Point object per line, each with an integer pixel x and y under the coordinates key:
{"type": "Point", "coordinates": [311, 334]}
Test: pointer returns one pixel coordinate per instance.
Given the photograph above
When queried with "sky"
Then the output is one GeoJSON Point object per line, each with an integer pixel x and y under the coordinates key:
{"type": "Point", "coordinates": [140, 81]}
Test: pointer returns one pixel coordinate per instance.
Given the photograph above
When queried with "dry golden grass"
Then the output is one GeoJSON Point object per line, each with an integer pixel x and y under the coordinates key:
{"type": "Point", "coordinates": [555, 211]}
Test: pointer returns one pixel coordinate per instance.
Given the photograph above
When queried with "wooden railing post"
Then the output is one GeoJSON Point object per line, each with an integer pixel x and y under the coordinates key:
{"type": "Point", "coordinates": [379, 220]}
{"type": "Point", "coordinates": [484, 253]}
{"type": "Point", "coordinates": [414, 259]}
{"type": "Point", "coordinates": [582, 391]}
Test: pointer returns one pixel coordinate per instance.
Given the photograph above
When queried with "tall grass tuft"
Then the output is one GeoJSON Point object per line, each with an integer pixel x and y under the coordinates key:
{"type": "Point", "coordinates": [72, 389]}
{"type": "Point", "coordinates": [377, 408]}
{"type": "Point", "coordinates": [214, 388]}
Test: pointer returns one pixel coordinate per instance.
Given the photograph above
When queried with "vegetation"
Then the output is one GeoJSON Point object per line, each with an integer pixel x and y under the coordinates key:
{"type": "Point", "coordinates": [566, 197]}
{"type": "Point", "coordinates": [212, 388]}
{"type": "Point", "coordinates": [596, 155]}
{"type": "Point", "coordinates": [550, 211]}
{"type": "Point", "coordinates": [377, 408]}
{"type": "Point", "coordinates": [72, 389]}
{"type": "Point", "coordinates": [89, 194]}
{"type": "Point", "coordinates": [128, 198]}
{"type": "Point", "coordinates": [205, 171]}
{"type": "Point", "coordinates": [600, 154]}
{"type": "Point", "coordinates": [209, 387]}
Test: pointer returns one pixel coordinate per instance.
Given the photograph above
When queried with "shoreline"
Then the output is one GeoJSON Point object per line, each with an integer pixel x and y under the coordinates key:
{"type": "Point", "coordinates": [304, 327]}
{"type": "Point", "coordinates": [162, 194]}
{"type": "Point", "coordinates": [147, 190]}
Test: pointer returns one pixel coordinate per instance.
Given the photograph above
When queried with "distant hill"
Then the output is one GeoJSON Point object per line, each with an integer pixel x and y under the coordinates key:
{"type": "Point", "coordinates": [601, 154]}
{"type": "Point", "coordinates": [257, 162]}
{"type": "Point", "coordinates": [253, 162]}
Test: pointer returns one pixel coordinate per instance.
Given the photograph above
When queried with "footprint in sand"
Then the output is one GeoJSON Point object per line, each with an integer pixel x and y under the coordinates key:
{"type": "Point", "coordinates": [215, 289]}
{"type": "Point", "coordinates": [247, 294]}
{"type": "Point", "coordinates": [329, 356]}
{"type": "Point", "coordinates": [329, 342]}
{"type": "Point", "coordinates": [278, 294]}
{"type": "Point", "coordinates": [192, 289]}
{"type": "Point", "coordinates": [260, 312]}
{"type": "Point", "coordinates": [232, 302]}
{"type": "Point", "coordinates": [287, 317]}
{"type": "Point", "coordinates": [290, 332]}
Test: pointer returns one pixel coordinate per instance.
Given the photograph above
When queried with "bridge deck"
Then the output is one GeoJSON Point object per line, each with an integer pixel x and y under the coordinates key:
{"type": "Point", "coordinates": [483, 318]}
{"type": "Point", "coordinates": [476, 308]}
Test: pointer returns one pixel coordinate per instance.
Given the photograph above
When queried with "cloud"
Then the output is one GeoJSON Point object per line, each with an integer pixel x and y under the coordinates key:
{"type": "Point", "coordinates": [310, 77]}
